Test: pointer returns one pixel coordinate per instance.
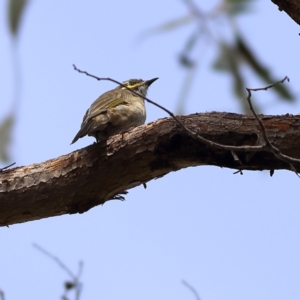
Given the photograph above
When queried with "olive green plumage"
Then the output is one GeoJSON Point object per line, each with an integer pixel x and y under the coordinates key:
{"type": "Point", "coordinates": [115, 111]}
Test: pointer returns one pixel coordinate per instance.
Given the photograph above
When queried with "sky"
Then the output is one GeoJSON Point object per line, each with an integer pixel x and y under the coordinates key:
{"type": "Point", "coordinates": [228, 236]}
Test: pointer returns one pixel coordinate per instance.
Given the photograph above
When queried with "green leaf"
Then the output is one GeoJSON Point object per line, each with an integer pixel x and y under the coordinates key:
{"type": "Point", "coordinates": [229, 60]}
{"type": "Point", "coordinates": [5, 136]}
{"type": "Point", "coordinates": [15, 12]}
{"type": "Point", "coordinates": [168, 26]}
{"type": "Point", "coordinates": [234, 7]}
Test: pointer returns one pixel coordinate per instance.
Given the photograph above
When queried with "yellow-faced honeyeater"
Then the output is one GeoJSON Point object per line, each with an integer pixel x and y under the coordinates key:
{"type": "Point", "coordinates": [116, 111]}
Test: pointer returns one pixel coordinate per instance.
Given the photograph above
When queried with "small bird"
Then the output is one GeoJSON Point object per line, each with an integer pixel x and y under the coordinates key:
{"type": "Point", "coordinates": [116, 111]}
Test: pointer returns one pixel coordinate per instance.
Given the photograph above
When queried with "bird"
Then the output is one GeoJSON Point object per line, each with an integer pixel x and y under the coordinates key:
{"type": "Point", "coordinates": [116, 111]}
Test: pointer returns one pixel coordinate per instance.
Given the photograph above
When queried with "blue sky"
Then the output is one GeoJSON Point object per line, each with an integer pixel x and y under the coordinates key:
{"type": "Point", "coordinates": [229, 236]}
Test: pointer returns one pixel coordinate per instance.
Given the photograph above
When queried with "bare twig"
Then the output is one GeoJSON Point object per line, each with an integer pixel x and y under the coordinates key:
{"type": "Point", "coordinates": [269, 86]}
{"type": "Point", "coordinates": [56, 259]}
{"type": "Point", "coordinates": [75, 284]}
{"type": "Point", "coordinates": [253, 111]}
{"type": "Point", "coordinates": [270, 146]}
{"type": "Point", "coordinates": [238, 172]}
{"type": "Point", "coordinates": [1, 169]}
{"type": "Point", "coordinates": [192, 289]}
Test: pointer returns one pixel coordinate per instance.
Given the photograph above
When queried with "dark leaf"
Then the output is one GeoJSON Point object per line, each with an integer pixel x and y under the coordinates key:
{"type": "Point", "coordinates": [186, 61]}
{"type": "Point", "coordinates": [1, 295]}
{"type": "Point", "coordinates": [5, 136]}
{"type": "Point", "coordinates": [69, 285]}
{"type": "Point", "coordinates": [15, 12]}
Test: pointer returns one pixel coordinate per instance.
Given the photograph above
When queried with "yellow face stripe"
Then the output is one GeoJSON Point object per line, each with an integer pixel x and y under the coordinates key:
{"type": "Point", "coordinates": [132, 86]}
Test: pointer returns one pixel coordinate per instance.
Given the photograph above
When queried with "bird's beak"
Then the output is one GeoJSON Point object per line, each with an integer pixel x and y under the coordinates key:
{"type": "Point", "coordinates": [149, 82]}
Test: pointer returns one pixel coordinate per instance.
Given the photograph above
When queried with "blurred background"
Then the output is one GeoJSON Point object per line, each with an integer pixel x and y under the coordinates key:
{"type": "Point", "coordinates": [228, 236]}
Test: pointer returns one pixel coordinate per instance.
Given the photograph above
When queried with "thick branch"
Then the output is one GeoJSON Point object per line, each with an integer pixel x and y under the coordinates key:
{"type": "Point", "coordinates": [291, 7]}
{"type": "Point", "coordinates": [76, 182]}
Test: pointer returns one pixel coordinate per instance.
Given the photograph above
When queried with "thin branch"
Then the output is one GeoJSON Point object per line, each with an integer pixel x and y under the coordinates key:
{"type": "Point", "coordinates": [56, 259]}
{"type": "Point", "coordinates": [286, 78]}
{"type": "Point", "coordinates": [75, 284]}
{"type": "Point", "coordinates": [271, 147]}
{"type": "Point", "coordinates": [192, 289]}
{"type": "Point", "coordinates": [238, 172]}
{"type": "Point", "coordinates": [79, 288]}
{"type": "Point", "coordinates": [253, 111]}
{"type": "Point", "coordinates": [1, 169]}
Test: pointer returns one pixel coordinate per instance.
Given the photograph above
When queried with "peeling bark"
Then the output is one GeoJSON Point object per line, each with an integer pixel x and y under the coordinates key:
{"type": "Point", "coordinates": [78, 181]}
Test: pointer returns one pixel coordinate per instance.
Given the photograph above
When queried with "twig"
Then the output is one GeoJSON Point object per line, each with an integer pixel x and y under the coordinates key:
{"type": "Point", "coordinates": [1, 169]}
{"type": "Point", "coordinates": [56, 259]}
{"type": "Point", "coordinates": [76, 284]}
{"type": "Point", "coordinates": [286, 78]}
{"type": "Point", "coordinates": [238, 172]}
{"type": "Point", "coordinates": [270, 146]}
{"type": "Point", "coordinates": [192, 289]}
{"type": "Point", "coordinates": [253, 111]}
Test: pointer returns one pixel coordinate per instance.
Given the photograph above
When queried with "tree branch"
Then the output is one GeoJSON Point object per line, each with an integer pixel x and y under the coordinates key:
{"type": "Point", "coordinates": [291, 7]}
{"type": "Point", "coordinates": [78, 181]}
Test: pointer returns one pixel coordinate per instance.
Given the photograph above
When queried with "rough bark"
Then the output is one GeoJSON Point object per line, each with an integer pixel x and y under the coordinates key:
{"type": "Point", "coordinates": [291, 7]}
{"type": "Point", "coordinates": [78, 181]}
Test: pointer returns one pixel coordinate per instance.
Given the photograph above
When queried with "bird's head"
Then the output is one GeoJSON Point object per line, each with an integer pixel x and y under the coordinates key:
{"type": "Point", "coordinates": [138, 85]}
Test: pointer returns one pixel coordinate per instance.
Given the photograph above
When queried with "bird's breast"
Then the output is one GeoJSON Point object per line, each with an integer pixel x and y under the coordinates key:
{"type": "Point", "coordinates": [130, 115]}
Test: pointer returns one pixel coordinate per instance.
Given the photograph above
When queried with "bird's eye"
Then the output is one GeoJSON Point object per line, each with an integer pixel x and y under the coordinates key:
{"type": "Point", "coordinates": [133, 82]}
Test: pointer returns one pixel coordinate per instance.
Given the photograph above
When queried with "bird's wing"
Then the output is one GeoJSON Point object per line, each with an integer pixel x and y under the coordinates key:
{"type": "Point", "coordinates": [96, 117]}
{"type": "Point", "coordinates": [84, 130]}
{"type": "Point", "coordinates": [105, 102]}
